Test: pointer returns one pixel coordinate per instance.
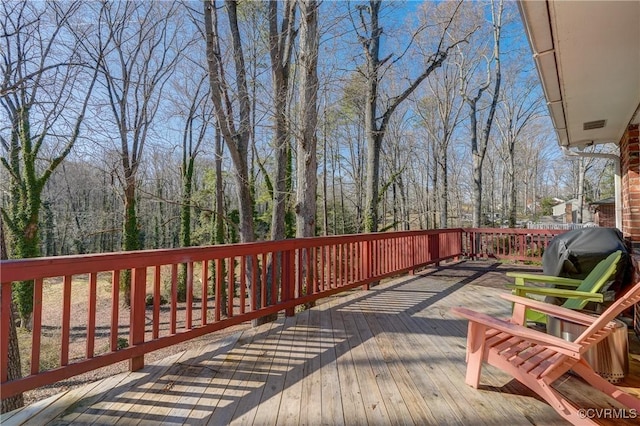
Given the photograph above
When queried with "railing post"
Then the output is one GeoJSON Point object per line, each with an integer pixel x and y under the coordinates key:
{"type": "Point", "coordinates": [434, 243]}
{"type": "Point", "coordinates": [472, 245]}
{"type": "Point", "coordinates": [288, 278]}
{"type": "Point", "coordinates": [136, 331]}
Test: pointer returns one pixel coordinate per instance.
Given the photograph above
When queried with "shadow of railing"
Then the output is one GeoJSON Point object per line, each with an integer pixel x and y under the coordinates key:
{"type": "Point", "coordinates": [278, 363]}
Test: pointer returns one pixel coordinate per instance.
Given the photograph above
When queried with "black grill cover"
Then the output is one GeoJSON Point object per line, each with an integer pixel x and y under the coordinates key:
{"type": "Point", "coordinates": [575, 253]}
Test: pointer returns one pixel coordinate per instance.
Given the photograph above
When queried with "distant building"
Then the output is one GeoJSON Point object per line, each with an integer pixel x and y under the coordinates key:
{"type": "Point", "coordinates": [604, 212]}
{"type": "Point", "coordinates": [568, 211]}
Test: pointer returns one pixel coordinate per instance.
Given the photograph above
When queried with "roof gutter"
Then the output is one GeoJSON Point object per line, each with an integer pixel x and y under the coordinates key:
{"type": "Point", "coordinates": [617, 179]}
{"type": "Point", "coordinates": [536, 18]}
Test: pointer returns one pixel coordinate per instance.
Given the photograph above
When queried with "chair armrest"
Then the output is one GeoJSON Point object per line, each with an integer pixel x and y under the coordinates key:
{"type": "Point", "coordinates": [547, 308]}
{"type": "Point", "coordinates": [568, 348]}
{"type": "Point", "coordinates": [522, 277]}
{"type": "Point", "coordinates": [557, 292]}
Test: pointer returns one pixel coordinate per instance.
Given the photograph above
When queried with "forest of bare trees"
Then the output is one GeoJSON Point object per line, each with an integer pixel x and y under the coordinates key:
{"type": "Point", "coordinates": [131, 125]}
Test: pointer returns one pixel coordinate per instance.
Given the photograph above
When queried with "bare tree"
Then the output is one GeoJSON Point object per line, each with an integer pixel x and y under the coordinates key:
{"type": "Point", "coordinates": [281, 40]}
{"type": "Point", "coordinates": [443, 88]}
{"type": "Point", "coordinates": [235, 127]}
{"type": "Point", "coordinates": [46, 88]}
{"type": "Point", "coordinates": [369, 33]}
{"type": "Point", "coordinates": [520, 104]}
{"type": "Point", "coordinates": [141, 47]}
{"type": "Point", "coordinates": [306, 160]}
{"type": "Point", "coordinates": [493, 76]}
{"type": "Point", "coordinates": [197, 120]}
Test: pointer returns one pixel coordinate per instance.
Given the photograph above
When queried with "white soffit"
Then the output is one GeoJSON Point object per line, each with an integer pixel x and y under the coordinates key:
{"type": "Point", "coordinates": [588, 55]}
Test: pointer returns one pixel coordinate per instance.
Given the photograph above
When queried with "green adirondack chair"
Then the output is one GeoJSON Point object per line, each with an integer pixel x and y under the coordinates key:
{"type": "Point", "coordinates": [586, 290]}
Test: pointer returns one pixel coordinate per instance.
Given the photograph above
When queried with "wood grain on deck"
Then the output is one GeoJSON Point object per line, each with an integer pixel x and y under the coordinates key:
{"type": "Point", "coordinates": [391, 355]}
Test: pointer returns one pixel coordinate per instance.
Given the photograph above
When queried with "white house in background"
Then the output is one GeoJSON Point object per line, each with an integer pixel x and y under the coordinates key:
{"type": "Point", "coordinates": [562, 211]}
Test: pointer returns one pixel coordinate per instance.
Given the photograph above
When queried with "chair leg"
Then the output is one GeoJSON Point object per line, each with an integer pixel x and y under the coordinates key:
{"type": "Point", "coordinates": [475, 353]}
{"type": "Point", "coordinates": [562, 406]}
{"type": "Point", "coordinates": [587, 373]}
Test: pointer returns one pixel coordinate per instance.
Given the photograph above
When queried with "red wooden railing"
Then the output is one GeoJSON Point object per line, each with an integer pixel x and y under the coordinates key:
{"type": "Point", "coordinates": [77, 290]}
{"type": "Point", "coordinates": [87, 287]}
{"type": "Point", "coordinates": [526, 245]}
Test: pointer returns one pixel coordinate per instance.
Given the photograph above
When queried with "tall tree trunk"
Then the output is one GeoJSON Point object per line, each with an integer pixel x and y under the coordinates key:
{"type": "Point", "coordinates": [433, 213]}
{"type": "Point", "coordinates": [374, 137]}
{"type": "Point", "coordinates": [306, 160]}
{"type": "Point", "coordinates": [218, 235]}
{"type": "Point", "coordinates": [130, 234]}
{"type": "Point", "coordinates": [280, 49]}
{"type": "Point", "coordinates": [444, 190]}
{"type": "Point", "coordinates": [185, 222]}
{"type": "Point", "coordinates": [236, 137]}
{"type": "Point", "coordinates": [477, 161]}
{"type": "Point", "coordinates": [14, 369]}
{"type": "Point", "coordinates": [325, 154]}
{"type": "Point", "coordinates": [512, 188]}
{"type": "Point", "coordinates": [479, 144]}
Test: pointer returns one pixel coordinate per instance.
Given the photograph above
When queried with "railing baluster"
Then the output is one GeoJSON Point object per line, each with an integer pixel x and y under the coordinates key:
{"type": "Point", "coordinates": [115, 307]}
{"type": "Point", "coordinates": [322, 269]}
{"type": "Point", "coordinates": [346, 262]}
{"type": "Point", "coordinates": [36, 330]}
{"type": "Point", "coordinates": [254, 282]}
{"type": "Point", "coordinates": [174, 299]}
{"type": "Point", "coordinates": [243, 283]}
{"type": "Point", "coordinates": [218, 292]}
{"type": "Point", "coordinates": [156, 302]}
{"type": "Point", "coordinates": [66, 320]}
{"type": "Point", "coordinates": [204, 298]}
{"type": "Point", "coordinates": [313, 259]}
{"type": "Point", "coordinates": [263, 284]}
{"type": "Point", "coordinates": [340, 249]}
{"type": "Point", "coordinates": [231, 284]}
{"type": "Point", "coordinates": [91, 320]}
{"type": "Point", "coordinates": [189, 308]}
{"type": "Point", "coordinates": [335, 265]}
{"type": "Point", "coordinates": [301, 266]}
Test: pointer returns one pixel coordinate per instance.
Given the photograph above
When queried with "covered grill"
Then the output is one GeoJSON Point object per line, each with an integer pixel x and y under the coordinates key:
{"type": "Point", "coordinates": [575, 253]}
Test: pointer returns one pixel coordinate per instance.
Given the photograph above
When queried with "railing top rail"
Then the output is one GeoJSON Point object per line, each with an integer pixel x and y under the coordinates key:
{"type": "Point", "coordinates": [43, 267]}
{"type": "Point", "coordinates": [517, 231]}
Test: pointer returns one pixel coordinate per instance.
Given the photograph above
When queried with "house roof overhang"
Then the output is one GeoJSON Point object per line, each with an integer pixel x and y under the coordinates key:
{"type": "Point", "coordinates": [588, 58]}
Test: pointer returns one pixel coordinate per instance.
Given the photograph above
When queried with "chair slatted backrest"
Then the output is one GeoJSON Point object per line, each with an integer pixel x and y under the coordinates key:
{"type": "Point", "coordinates": [596, 279]}
{"type": "Point", "coordinates": [598, 329]}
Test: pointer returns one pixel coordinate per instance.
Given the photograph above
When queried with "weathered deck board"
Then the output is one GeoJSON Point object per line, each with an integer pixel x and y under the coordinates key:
{"type": "Point", "coordinates": [392, 355]}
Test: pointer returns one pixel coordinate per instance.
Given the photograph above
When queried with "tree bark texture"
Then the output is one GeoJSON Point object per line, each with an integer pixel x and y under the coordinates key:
{"type": "Point", "coordinates": [236, 136]}
{"type": "Point", "coordinates": [14, 366]}
{"type": "Point", "coordinates": [306, 160]}
{"type": "Point", "coordinates": [280, 49]}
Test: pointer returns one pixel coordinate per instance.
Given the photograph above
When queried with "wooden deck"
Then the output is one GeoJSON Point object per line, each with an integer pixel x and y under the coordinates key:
{"type": "Point", "coordinates": [392, 355]}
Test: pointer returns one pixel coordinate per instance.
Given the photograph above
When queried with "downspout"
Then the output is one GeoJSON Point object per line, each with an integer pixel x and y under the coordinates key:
{"type": "Point", "coordinates": [616, 182]}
